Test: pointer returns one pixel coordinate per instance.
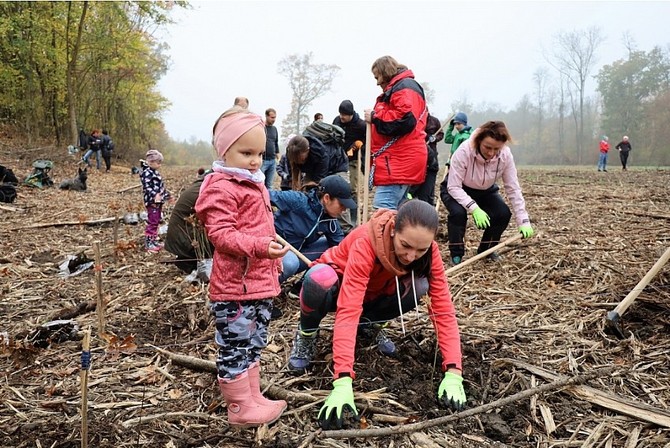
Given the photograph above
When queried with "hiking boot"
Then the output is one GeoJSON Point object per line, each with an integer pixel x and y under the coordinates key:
{"type": "Point", "coordinates": [304, 346]}
{"type": "Point", "coordinates": [456, 260]}
{"type": "Point", "coordinates": [370, 331]}
{"type": "Point", "coordinates": [495, 257]}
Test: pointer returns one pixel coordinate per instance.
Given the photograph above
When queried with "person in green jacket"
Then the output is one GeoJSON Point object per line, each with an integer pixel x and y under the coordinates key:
{"type": "Point", "coordinates": [463, 131]}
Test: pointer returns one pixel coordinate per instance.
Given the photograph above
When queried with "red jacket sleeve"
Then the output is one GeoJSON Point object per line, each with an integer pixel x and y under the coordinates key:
{"type": "Point", "coordinates": [350, 305]}
{"type": "Point", "coordinates": [443, 315]}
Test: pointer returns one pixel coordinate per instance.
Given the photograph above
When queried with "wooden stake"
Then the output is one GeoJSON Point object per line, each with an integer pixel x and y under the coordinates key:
{"type": "Point", "coordinates": [283, 242]}
{"type": "Point", "coordinates": [500, 245]}
{"type": "Point", "coordinates": [85, 366]}
{"type": "Point", "coordinates": [116, 238]}
{"type": "Point", "coordinates": [98, 289]}
{"type": "Point", "coordinates": [359, 189]}
{"type": "Point", "coordinates": [366, 177]}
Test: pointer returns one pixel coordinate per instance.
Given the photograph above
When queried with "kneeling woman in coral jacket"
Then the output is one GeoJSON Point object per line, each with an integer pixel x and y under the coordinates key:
{"type": "Point", "coordinates": [377, 273]}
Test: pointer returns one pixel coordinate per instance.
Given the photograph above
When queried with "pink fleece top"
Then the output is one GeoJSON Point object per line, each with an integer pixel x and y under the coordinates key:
{"type": "Point", "coordinates": [470, 169]}
{"type": "Point", "coordinates": [238, 220]}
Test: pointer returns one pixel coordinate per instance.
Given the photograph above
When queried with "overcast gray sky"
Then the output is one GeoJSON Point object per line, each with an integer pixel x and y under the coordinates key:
{"type": "Point", "coordinates": [482, 51]}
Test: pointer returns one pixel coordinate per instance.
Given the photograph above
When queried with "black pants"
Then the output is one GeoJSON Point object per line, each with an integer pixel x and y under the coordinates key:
{"type": "Point", "coordinates": [623, 155]}
{"type": "Point", "coordinates": [425, 191]}
{"type": "Point", "coordinates": [107, 157]}
{"type": "Point", "coordinates": [488, 200]}
{"type": "Point", "coordinates": [321, 289]}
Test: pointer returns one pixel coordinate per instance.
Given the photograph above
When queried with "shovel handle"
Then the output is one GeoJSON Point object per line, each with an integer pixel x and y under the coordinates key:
{"type": "Point", "coordinates": [651, 273]}
{"type": "Point", "coordinates": [283, 242]}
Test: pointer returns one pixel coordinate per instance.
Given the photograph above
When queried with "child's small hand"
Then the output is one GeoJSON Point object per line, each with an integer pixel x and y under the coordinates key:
{"type": "Point", "coordinates": [159, 198]}
{"type": "Point", "coordinates": [276, 250]}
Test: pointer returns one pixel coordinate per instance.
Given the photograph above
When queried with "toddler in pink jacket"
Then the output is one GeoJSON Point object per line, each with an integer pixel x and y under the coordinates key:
{"type": "Point", "coordinates": [234, 206]}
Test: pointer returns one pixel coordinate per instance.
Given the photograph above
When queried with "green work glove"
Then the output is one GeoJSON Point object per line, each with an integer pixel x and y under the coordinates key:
{"type": "Point", "coordinates": [526, 230]}
{"type": "Point", "coordinates": [451, 393]}
{"type": "Point", "coordinates": [339, 400]}
{"type": "Point", "coordinates": [482, 220]}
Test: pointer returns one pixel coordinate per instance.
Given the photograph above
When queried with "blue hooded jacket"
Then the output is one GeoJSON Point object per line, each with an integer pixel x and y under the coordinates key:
{"type": "Point", "coordinates": [301, 219]}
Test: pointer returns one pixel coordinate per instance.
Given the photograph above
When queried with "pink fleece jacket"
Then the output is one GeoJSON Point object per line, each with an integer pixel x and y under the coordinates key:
{"type": "Point", "coordinates": [238, 220]}
{"type": "Point", "coordinates": [470, 169]}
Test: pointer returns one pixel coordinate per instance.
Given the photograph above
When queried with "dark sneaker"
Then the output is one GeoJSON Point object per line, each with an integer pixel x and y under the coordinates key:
{"type": "Point", "coordinates": [384, 344]}
{"type": "Point", "coordinates": [456, 260]}
{"type": "Point", "coordinates": [495, 257]}
{"type": "Point", "coordinates": [372, 331]}
{"type": "Point", "coordinates": [304, 346]}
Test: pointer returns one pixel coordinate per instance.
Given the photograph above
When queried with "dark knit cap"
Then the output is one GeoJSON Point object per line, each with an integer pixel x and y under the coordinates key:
{"type": "Point", "coordinates": [461, 118]}
{"type": "Point", "coordinates": [346, 107]}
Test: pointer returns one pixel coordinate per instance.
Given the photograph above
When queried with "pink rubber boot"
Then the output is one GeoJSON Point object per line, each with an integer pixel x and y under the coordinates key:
{"type": "Point", "coordinates": [255, 387]}
{"type": "Point", "coordinates": [243, 411]}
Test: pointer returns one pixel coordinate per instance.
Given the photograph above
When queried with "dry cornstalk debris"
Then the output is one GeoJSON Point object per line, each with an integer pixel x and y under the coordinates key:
{"type": "Point", "coordinates": [542, 305]}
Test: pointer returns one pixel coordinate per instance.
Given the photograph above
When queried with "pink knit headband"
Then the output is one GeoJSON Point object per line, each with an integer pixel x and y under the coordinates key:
{"type": "Point", "coordinates": [232, 127]}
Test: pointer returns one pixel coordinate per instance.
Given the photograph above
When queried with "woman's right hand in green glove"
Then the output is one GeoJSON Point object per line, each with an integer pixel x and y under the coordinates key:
{"type": "Point", "coordinates": [482, 220]}
{"type": "Point", "coordinates": [339, 400]}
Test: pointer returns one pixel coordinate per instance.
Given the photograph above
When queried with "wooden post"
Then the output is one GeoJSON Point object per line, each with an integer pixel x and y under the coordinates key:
{"type": "Point", "coordinates": [116, 239]}
{"type": "Point", "coordinates": [85, 366]}
{"type": "Point", "coordinates": [98, 289]}
{"type": "Point", "coordinates": [366, 177]}
{"type": "Point", "coordinates": [359, 188]}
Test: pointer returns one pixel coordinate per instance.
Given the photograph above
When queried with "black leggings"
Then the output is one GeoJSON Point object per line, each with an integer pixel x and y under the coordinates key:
{"type": "Point", "coordinates": [321, 289]}
{"type": "Point", "coordinates": [488, 200]}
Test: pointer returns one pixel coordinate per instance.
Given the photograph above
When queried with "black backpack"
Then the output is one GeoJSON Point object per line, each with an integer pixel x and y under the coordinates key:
{"type": "Point", "coordinates": [326, 132]}
{"type": "Point", "coordinates": [7, 176]}
{"type": "Point", "coordinates": [7, 193]}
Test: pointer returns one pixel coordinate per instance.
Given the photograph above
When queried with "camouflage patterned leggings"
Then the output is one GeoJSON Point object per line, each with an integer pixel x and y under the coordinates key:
{"type": "Point", "coordinates": [241, 334]}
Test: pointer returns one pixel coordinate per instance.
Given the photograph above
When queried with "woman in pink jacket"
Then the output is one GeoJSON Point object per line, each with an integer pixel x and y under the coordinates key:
{"type": "Point", "coordinates": [234, 206]}
{"type": "Point", "coordinates": [471, 188]}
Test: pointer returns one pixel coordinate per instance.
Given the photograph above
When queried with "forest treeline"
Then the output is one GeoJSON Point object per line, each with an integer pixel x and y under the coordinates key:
{"type": "Point", "coordinates": [65, 66]}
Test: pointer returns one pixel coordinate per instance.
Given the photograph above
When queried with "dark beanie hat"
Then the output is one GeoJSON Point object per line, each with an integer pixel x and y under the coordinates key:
{"type": "Point", "coordinates": [346, 107]}
{"type": "Point", "coordinates": [461, 118]}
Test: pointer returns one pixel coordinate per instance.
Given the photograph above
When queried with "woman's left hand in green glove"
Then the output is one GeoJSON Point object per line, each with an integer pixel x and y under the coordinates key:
{"type": "Point", "coordinates": [451, 393]}
{"type": "Point", "coordinates": [526, 230]}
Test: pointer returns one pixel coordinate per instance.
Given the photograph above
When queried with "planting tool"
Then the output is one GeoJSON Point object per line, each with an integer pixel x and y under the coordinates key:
{"type": "Point", "coordinates": [302, 258]}
{"type": "Point", "coordinates": [613, 319]}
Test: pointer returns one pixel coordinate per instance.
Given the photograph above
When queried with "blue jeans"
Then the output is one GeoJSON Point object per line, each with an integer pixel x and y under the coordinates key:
{"type": "Point", "coordinates": [602, 161]}
{"type": "Point", "coordinates": [292, 265]}
{"type": "Point", "coordinates": [389, 196]}
{"type": "Point", "coordinates": [269, 168]}
{"type": "Point", "coordinates": [98, 157]}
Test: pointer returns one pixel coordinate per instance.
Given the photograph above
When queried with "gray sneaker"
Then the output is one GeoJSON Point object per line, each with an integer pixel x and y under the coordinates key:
{"type": "Point", "coordinates": [304, 346]}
